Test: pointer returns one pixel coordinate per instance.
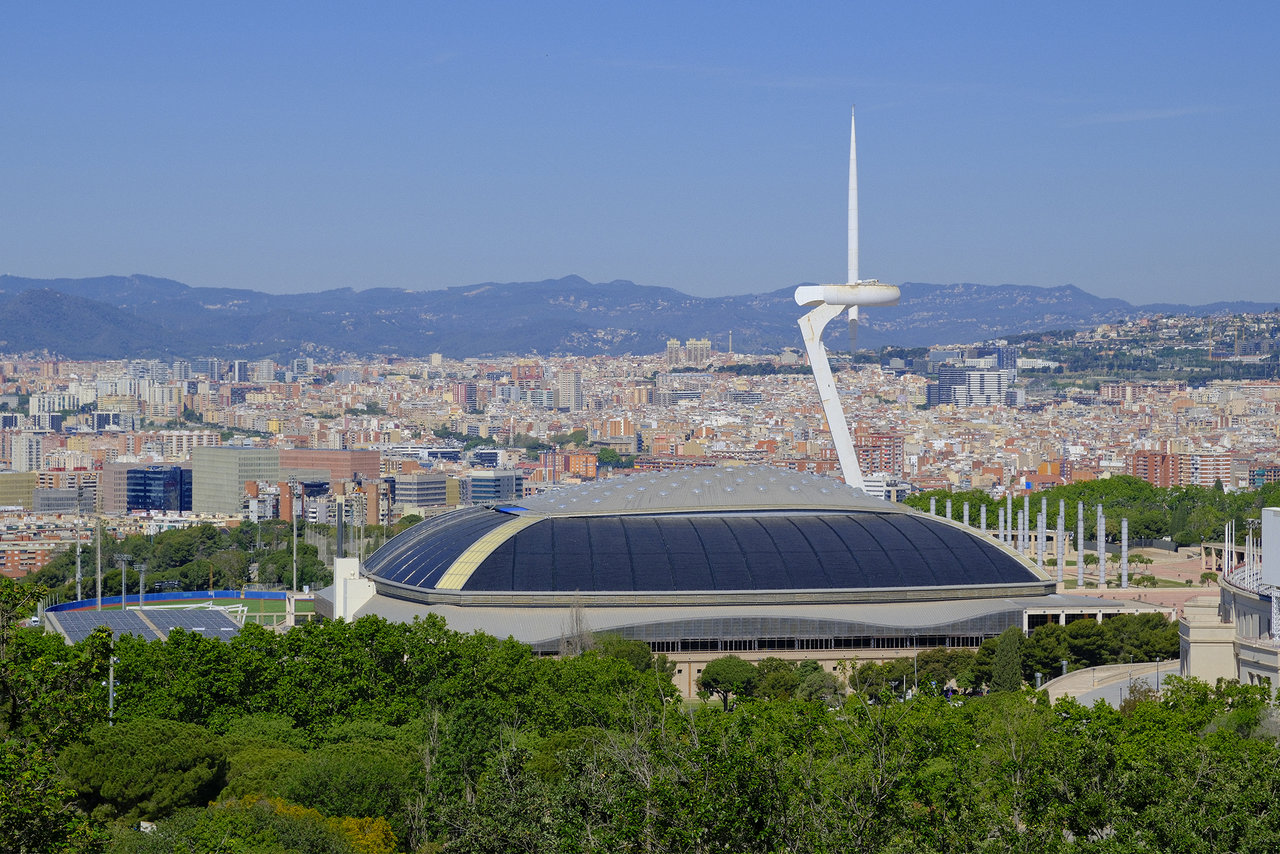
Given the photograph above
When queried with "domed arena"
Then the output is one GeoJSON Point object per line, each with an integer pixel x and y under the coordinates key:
{"type": "Point", "coordinates": [752, 534]}
{"type": "Point", "coordinates": [700, 563]}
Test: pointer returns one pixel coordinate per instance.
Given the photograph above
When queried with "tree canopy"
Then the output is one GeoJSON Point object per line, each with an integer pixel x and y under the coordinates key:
{"type": "Point", "coordinates": [370, 736]}
{"type": "Point", "coordinates": [728, 676]}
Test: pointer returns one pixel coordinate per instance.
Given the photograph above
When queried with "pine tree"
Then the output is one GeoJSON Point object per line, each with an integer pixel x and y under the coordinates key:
{"type": "Point", "coordinates": [1006, 669]}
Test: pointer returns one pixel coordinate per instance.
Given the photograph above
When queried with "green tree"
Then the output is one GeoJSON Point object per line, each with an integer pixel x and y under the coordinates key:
{"type": "Point", "coordinates": [406, 522]}
{"type": "Point", "coordinates": [634, 652]}
{"type": "Point", "coordinates": [17, 603]}
{"type": "Point", "coordinates": [727, 677]}
{"type": "Point", "coordinates": [256, 824]}
{"type": "Point", "coordinates": [822, 686]}
{"type": "Point", "coordinates": [354, 778]}
{"type": "Point", "coordinates": [1088, 643]}
{"type": "Point", "coordinates": [37, 815]}
{"type": "Point", "coordinates": [1044, 650]}
{"type": "Point", "coordinates": [637, 654]}
{"type": "Point", "coordinates": [777, 679]}
{"type": "Point", "coordinates": [1006, 668]}
{"type": "Point", "coordinates": [145, 768]}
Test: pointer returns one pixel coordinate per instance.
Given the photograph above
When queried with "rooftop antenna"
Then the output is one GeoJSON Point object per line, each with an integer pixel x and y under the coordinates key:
{"type": "Point", "coordinates": [828, 301]}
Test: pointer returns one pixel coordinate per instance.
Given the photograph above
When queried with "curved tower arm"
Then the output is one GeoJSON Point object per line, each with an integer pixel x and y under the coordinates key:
{"type": "Point", "coordinates": [811, 326]}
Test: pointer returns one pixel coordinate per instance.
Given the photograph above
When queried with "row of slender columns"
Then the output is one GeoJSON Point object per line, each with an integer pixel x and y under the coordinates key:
{"type": "Point", "coordinates": [1015, 532]}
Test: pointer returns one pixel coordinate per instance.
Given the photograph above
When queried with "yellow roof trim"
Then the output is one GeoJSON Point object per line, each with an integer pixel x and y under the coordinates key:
{"type": "Point", "coordinates": [459, 572]}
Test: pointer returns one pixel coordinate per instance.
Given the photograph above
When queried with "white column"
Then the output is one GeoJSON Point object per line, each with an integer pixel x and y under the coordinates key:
{"type": "Point", "coordinates": [1040, 541]}
{"type": "Point", "coordinates": [1124, 553]}
{"type": "Point", "coordinates": [1102, 546]}
{"type": "Point", "coordinates": [1060, 541]}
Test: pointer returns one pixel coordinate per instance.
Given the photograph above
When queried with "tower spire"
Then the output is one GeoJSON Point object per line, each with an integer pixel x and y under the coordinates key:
{"type": "Point", "coordinates": [853, 201]}
{"type": "Point", "coordinates": [828, 302]}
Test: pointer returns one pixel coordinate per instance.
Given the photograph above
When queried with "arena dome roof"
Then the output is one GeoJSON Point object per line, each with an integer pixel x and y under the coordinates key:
{"type": "Point", "coordinates": [735, 534]}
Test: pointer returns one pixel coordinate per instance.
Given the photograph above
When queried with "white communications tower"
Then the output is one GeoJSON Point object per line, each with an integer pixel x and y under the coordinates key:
{"type": "Point", "coordinates": [828, 301]}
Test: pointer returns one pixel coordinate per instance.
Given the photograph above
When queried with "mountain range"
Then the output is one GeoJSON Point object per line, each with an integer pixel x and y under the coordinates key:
{"type": "Point", "coordinates": [113, 317]}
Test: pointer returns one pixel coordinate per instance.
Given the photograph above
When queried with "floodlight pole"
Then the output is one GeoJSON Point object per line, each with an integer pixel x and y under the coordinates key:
{"type": "Point", "coordinates": [123, 562]}
{"type": "Point", "coordinates": [111, 691]}
{"type": "Point", "coordinates": [97, 530]}
{"type": "Point", "coordinates": [78, 594]}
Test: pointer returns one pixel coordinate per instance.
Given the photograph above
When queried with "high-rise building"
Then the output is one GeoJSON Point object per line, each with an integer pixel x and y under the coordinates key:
{"type": "Point", "coordinates": [465, 395]}
{"type": "Point", "coordinates": [158, 488]}
{"type": "Point", "coordinates": [17, 488]}
{"type": "Point", "coordinates": [542, 397]}
{"type": "Point", "coordinates": [963, 386]}
{"type": "Point", "coordinates": [487, 487]}
{"type": "Point", "coordinates": [526, 374]}
{"type": "Point", "coordinates": [262, 371]}
{"type": "Point", "coordinates": [569, 390]}
{"type": "Point", "coordinates": [1209, 469]}
{"type": "Point", "coordinates": [64, 499]}
{"type": "Point", "coordinates": [341, 465]}
{"type": "Point", "coordinates": [28, 451]}
{"type": "Point", "coordinates": [1156, 468]}
{"type": "Point", "coordinates": [673, 351]}
{"type": "Point", "coordinates": [426, 490]}
{"type": "Point", "coordinates": [219, 476]}
{"type": "Point", "coordinates": [697, 351]}
{"type": "Point", "coordinates": [210, 367]}
{"type": "Point", "coordinates": [879, 452]}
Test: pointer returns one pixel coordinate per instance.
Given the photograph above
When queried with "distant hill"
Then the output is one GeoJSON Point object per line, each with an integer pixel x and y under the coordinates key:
{"type": "Point", "coordinates": [143, 316]}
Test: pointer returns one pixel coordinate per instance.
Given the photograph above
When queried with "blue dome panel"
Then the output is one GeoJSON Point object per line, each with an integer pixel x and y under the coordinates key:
{"type": "Point", "coordinates": [724, 552]}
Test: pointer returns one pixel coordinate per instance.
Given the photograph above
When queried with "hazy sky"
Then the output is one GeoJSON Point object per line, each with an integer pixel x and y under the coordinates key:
{"type": "Point", "coordinates": [1127, 148]}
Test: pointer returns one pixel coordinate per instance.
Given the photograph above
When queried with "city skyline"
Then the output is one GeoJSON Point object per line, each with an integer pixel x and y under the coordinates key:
{"type": "Point", "coordinates": [1124, 152]}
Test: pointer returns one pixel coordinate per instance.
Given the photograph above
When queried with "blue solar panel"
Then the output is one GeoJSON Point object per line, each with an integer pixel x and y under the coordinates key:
{"type": "Point", "coordinates": [421, 555]}
{"type": "Point", "coordinates": [702, 551]}
{"type": "Point", "coordinates": [210, 623]}
{"type": "Point", "coordinates": [78, 625]}
{"type": "Point", "coordinates": [774, 551]}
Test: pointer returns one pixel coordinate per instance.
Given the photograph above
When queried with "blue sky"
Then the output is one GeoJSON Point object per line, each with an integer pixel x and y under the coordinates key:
{"type": "Point", "coordinates": [1127, 148]}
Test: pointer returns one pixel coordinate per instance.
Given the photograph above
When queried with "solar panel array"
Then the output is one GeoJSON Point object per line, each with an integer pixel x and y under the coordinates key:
{"type": "Point", "coordinates": [764, 551]}
{"type": "Point", "coordinates": [78, 625]}
{"type": "Point", "coordinates": [422, 555]}
{"type": "Point", "coordinates": [211, 624]}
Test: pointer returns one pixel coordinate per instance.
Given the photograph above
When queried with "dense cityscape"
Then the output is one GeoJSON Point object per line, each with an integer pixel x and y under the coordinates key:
{"type": "Point", "coordinates": [148, 445]}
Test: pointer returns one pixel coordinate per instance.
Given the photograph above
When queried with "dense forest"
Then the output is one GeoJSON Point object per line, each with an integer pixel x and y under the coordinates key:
{"type": "Point", "coordinates": [378, 737]}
